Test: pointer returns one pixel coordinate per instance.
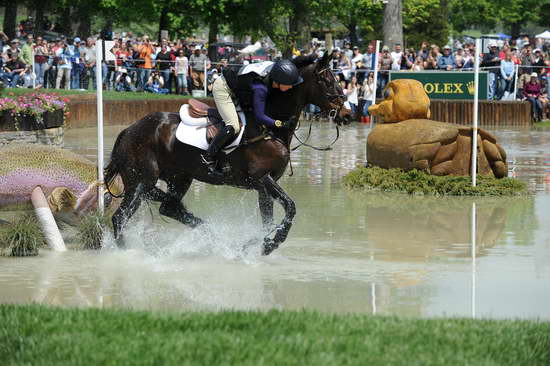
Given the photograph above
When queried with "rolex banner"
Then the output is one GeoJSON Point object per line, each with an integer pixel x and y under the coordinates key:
{"type": "Point", "coordinates": [447, 84]}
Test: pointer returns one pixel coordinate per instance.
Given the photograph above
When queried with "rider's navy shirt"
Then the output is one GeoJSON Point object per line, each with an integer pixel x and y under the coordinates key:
{"type": "Point", "coordinates": [259, 98]}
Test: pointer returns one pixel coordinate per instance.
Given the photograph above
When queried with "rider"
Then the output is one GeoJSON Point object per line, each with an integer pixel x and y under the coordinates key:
{"type": "Point", "coordinates": [250, 87]}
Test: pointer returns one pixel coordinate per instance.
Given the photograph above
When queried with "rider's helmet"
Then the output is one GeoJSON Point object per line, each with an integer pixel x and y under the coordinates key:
{"type": "Point", "coordinates": [285, 72]}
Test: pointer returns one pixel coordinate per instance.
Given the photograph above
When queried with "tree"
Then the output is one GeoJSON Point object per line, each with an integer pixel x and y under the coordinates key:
{"type": "Point", "coordinates": [10, 18]}
{"type": "Point", "coordinates": [393, 23]}
{"type": "Point", "coordinates": [426, 20]}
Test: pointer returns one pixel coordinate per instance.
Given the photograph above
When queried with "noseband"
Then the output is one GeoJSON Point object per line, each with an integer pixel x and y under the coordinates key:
{"type": "Point", "coordinates": [336, 101]}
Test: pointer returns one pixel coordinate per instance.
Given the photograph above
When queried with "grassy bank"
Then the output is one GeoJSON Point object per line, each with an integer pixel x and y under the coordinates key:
{"type": "Point", "coordinates": [107, 94]}
{"type": "Point", "coordinates": [51, 336]}
{"type": "Point", "coordinates": [419, 182]}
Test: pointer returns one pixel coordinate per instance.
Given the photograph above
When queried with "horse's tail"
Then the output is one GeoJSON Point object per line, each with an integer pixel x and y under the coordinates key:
{"type": "Point", "coordinates": [114, 167]}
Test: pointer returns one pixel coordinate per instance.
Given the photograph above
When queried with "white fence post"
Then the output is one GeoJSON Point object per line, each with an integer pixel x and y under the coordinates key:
{"type": "Point", "coordinates": [476, 102]}
{"type": "Point", "coordinates": [375, 80]}
{"type": "Point", "coordinates": [205, 78]}
{"type": "Point", "coordinates": [99, 90]}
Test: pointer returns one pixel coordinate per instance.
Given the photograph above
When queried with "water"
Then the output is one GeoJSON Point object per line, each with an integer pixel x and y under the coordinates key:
{"type": "Point", "coordinates": [347, 252]}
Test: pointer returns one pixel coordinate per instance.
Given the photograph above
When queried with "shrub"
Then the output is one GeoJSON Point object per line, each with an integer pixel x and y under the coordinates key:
{"type": "Point", "coordinates": [22, 238]}
{"type": "Point", "coordinates": [91, 228]}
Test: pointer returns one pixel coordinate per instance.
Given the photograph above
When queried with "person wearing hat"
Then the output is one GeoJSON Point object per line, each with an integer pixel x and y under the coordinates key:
{"type": "Point", "coordinates": [538, 61]}
{"type": "Point", "coordinates": [446, 61]}
{"type": "Point", "coordinates": [15, 70]}
{"type": "Point", "coordinates": [251, 87]}
{"type": "Point", "coordinates": [77, 65]}
{"type": "Point", "coordinates": [491, 61]}
{"type": "Point", "coordinates": [385, 63]}
{"type": "Point", "coordinates": [532, 92]}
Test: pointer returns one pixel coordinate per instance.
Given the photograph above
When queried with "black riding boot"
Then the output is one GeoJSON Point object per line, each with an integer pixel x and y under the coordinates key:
{"type": "Point", "coordinates": [209, 158]}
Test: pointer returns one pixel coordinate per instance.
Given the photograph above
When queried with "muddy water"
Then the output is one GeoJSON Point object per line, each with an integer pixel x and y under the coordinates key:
{"type": "Point", "coordinates": [348, 251]}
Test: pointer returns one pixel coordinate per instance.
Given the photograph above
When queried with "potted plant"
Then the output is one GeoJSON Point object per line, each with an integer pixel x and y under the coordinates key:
{"type": "Point", "coordinates": [7, 114]}
{"type": "Point", "coordinates": [32, 112]}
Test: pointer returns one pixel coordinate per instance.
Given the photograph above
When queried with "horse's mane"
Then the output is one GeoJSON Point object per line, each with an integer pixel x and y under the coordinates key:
{"type": "Point", "coordinates": [303, 61]}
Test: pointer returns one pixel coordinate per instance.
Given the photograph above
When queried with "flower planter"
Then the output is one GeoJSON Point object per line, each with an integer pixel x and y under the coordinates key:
{"type": "Point", "coordinates": [7, 121]}
{"type": "Point", "coordinates": [28, 123]}
{"type": "Point", "coordinates": [53, 119]}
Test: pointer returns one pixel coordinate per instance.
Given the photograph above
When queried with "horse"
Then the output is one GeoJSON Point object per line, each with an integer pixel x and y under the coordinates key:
{"type": "Point", "coordinates": [148, 150]}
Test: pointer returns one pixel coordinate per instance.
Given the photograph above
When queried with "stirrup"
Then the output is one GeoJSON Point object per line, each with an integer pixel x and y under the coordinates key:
{"type": "Point", "coordinates": [211, 166]}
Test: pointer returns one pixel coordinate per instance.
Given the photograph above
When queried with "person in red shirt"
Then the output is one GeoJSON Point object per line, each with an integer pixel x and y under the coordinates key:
{"type": "Point", "coordinates": [532, 92]}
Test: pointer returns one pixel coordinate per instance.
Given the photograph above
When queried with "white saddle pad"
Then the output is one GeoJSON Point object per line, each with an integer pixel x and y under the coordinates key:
{"type": "Point", "coordinates": [192, 131]}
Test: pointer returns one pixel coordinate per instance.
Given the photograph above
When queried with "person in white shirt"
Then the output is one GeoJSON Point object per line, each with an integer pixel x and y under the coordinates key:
{"type": "Point", "coordinates": [181, 69]}
{"type": "Point", "coordinates": [367, 91]}
{"type": "Point", "coordinates": [353, 95]}
{"type": "Point", "coordinates": [396, 56]}
{"type": "Point", "coordinates": [356, 57]}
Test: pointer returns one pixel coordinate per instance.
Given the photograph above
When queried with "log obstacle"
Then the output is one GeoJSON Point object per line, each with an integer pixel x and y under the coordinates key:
{"type": "Point", "coordinates": [46, 220]}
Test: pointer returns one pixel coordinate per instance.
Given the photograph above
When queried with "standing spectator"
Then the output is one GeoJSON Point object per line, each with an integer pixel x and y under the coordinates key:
{"type": "Point", "coordinates": [145, 52]}
{"type": "Point", "coordinates": [164, 64]}
{"type": "Point", "coordinates": [407, 60]}
{"type": "Point", "coordinates": [347, 50]}
{"type": "Point", "coordinates": [196, 63]}
{"type": "Point", "coordinates": [447, 60]}
{"type": "Point", "coordinates": [538, 62]}
{"type": "Point", "coordinates": [369, 58]}
{"type": "Point", "coordinates": [385, 66]}
{"type": "Point", "coordinates": [396, 56]}
{"type": "Point", "coordinates": [181, 71]}
{"type": "Point", "coordinates": [356, 57]}
{"type": "Point", "coordinates": [77, 64]}
{"type": "Point", "coordinates": [89, 58]}
{"type": "Point", "coordinates": [367, 91]}
{"type": "Point", "coordinates": [532, 92]}
{"type": "Point", "coordinates": [41, 53]}
{"type": "Point", "coordinates": [26, 50]}
{"type": "Point", "coordinates": [507, 71]}
{"type": "Point", "coordinates": [459, 58]}
{"type": "Point", "coordinates": [418, 64]}
{"type": "Point", "coordinates": [491, 61]}
{"type": "Point", "coordinates": [527, 59]}
{"type": "Point", "coordinates": [424, 50]}
{"type": "Point", "coordinates": [64, 65]}
{"type": "Point", "coordinates": [353, 92]}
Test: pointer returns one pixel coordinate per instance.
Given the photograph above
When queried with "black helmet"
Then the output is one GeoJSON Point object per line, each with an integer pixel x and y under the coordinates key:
{"type": "Point", "coordinates": [286, 73]}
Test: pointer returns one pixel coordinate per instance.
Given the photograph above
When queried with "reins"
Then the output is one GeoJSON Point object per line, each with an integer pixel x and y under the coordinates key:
{"type": "Point", "coordinates": [304, 142]}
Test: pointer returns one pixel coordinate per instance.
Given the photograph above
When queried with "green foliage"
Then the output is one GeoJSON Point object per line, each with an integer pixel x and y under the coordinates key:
{"type": "Point", "coordinates": [91, 229]}
{"type": "Point", "coordinates": [23, 238]}
{"type": "Point", "coordinates": [425, 20]}
{"type": "Point", "coordinates": [419, 182]}
{"type": "Point", "coordinates": [35, 334]}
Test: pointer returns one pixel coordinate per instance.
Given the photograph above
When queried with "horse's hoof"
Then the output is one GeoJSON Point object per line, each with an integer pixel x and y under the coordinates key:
{"type": "Point", "coordinates": [194, 222]}
{"type": "Point", "coordinates": [269, 246]}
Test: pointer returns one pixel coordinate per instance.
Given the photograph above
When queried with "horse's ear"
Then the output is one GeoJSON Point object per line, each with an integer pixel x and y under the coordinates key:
{"type": "Point", "coordinates": [323, 63]}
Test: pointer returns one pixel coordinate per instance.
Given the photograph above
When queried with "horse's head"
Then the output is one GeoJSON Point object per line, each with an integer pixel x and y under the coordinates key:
{"type": "Point", "coordinates": [324, 91]}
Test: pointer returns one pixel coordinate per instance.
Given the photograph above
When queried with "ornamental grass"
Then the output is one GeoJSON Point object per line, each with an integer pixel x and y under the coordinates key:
{"type": "Point", "coordinates": [418, 182]}
{"type": "Point", "coordinates": [91, 229]}
{"type": "Point", "coordinates": [22, 238]}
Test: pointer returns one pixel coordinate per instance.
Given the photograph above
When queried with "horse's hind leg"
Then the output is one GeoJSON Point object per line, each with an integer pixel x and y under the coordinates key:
{"type": "Point", "coordinates": [173, 207]}
{"type": "Point", "coordinates": [130, 203]}
{"type": "Point", "coordinates": [265, 202]}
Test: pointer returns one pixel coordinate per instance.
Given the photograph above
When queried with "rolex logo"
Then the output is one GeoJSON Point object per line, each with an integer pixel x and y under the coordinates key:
{"type": "Point", "coordinates": [471, 88]}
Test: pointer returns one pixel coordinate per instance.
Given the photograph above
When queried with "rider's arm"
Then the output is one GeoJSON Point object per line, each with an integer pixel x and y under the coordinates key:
{"type": "Point", "coordinates": [259, 99]}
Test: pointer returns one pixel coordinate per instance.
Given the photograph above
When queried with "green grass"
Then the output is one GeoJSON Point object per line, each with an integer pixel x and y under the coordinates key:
{"type": "Point", "coordinates": [38, 335]}
{"type": "Point", "coordinates": [419, 182]}
{"type": "Point", "coordinates": [91, 228]}
{"type": "Point", "coordinates": [543, 124]}
{"type": "Point", "coordinates": [107, 94]}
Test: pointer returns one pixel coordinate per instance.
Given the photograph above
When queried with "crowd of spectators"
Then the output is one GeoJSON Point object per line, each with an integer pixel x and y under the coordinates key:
{"type": "Point", "coordinates": [532, 58]}
{"type": "Point", "coordinates": [180, 67]}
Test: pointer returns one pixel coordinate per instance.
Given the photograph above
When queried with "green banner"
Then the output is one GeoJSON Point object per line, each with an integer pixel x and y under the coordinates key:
{"type": "Point", "coordinates": [447, 84]}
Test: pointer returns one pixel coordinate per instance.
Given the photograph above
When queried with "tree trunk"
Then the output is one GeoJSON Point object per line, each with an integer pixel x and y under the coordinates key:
{"type": "Point", "coordinates": [213, 28]}
{"type": "Point", "coordinates": [352, 27]}
{"type": "Point", "coordinates": [10, 18]}
{"type": "Point", "coordinates": [164, 21]}
{"type": "Point", "coordinates": [84, 26]}
{"type": "Point", "coordinates": [39, 18]}
{"type": "Point", "coordinates": [393, 23]}
{"type": "Point", "coordinates": [65, 27]}
{"type": "Point", "coordinates": [515, 30]}
{"type": "Point", "coordinates": [296, 25]}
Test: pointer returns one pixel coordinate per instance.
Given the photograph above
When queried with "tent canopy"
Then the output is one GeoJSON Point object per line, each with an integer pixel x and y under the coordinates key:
{"type": "Point", "coordinates": [545, 35]}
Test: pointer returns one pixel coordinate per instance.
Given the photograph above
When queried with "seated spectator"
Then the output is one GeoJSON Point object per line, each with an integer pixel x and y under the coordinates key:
{"type": "Point", "coordinates": [155, 84]}
{"type": "Point", "coordinates": [15, 70]}
{"type": "Point", "coordinates": [447, 60]}
{"type": "Point", "coordinates": [123, 82]}
{"type": "Point", "coordinates": [532, 92]}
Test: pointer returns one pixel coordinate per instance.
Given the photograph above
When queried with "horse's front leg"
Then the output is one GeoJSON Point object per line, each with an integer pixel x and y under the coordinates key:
{"type": "Point", "coordinates": [281, 232]}
{"type": "Point", "coordinates": [265, 201]}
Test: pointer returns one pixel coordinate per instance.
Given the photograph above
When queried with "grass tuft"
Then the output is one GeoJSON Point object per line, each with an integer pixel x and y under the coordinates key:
{"type": "Point", "coordinates": [39, 335]}
{"type": "Point", "coordinates": [418, 182]}
{"type": "Point", "coordinates": [91, 229]}
{"type": "Point", "coordinates": [22, 238]}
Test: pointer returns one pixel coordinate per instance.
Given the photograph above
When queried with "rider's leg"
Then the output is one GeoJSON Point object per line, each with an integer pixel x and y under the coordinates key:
{"type": "Point", "coordinates": [228, 112]}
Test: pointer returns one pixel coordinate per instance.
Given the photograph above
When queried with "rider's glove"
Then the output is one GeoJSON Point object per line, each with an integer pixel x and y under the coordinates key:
{"type": "Point", "coordinates": [282, 124]}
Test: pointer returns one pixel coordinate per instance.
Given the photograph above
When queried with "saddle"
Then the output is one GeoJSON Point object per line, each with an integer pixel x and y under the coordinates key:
{"type": "Point", "coordinates": [198, 109]}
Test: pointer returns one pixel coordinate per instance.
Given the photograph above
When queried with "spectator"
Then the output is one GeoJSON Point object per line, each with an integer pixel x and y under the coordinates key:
{"type": "Point", "coordinates": [407, 60]}
{"type": "Point", "coordinates": [26, 50]}
{"type": "Point", "coordinates": [356, 57]}
{"type": "Point", "coordinates": [12, 48]}
{"type": "Point", "coordinates": [491, 61]}
{"type": "Point", "coordinates": [77, 65]}
{"type": "Point", "coordinates": [424, 50]}
{"type": "Point", "coordinates": [418, 64]}
{"type": "Point", "coordinates": [459, 58]}
{"type": "Point", "coordinates": [447, 60]}
{"type": "Point", "coordinates": [532, 92]}
{"type": "Point", "coordinates": [41, 54]}
{"type": "Point", "coordinates": [347, 51]}
{"type": "Point", "coordinates": [367, 91]}
{"type": "Point", "coordinates": [538, 62]}
{"type": "Point", "coordinates": [64, 56]}
{"type": "Point", "coordinates": [352, 94]}
{"type": "Point", "coordinates": [145, 52]}
{"type": "Point", "coordinates": [15, 69]}
{"type": "Point", "coordinates": [164, 63]}
{"type": "Point", "coordinates": [527, 59]}
{"type": "Point", "coordinates": [385, 65]}
{"type": "Point", "coordinates": [89, 57]}
{"type": "Point", "coordinates": [123, 82]}
{"type": "Point", "coordinates": [197, 64]}
{"type": "Point", "coordinates": [507, 71]}
{"type": "Point", "coordinates": [155, 84]}
{"type": "Point", "coordinates": [181, 71]}
{"type": "Point", "coordinates": [368, 58]}
{"type": "Point", "coordinates": [396, 56]}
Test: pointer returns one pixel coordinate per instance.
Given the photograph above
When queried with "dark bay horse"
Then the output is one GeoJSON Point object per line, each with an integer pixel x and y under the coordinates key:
{"type": "Point", "coordinates": [148, 150]}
